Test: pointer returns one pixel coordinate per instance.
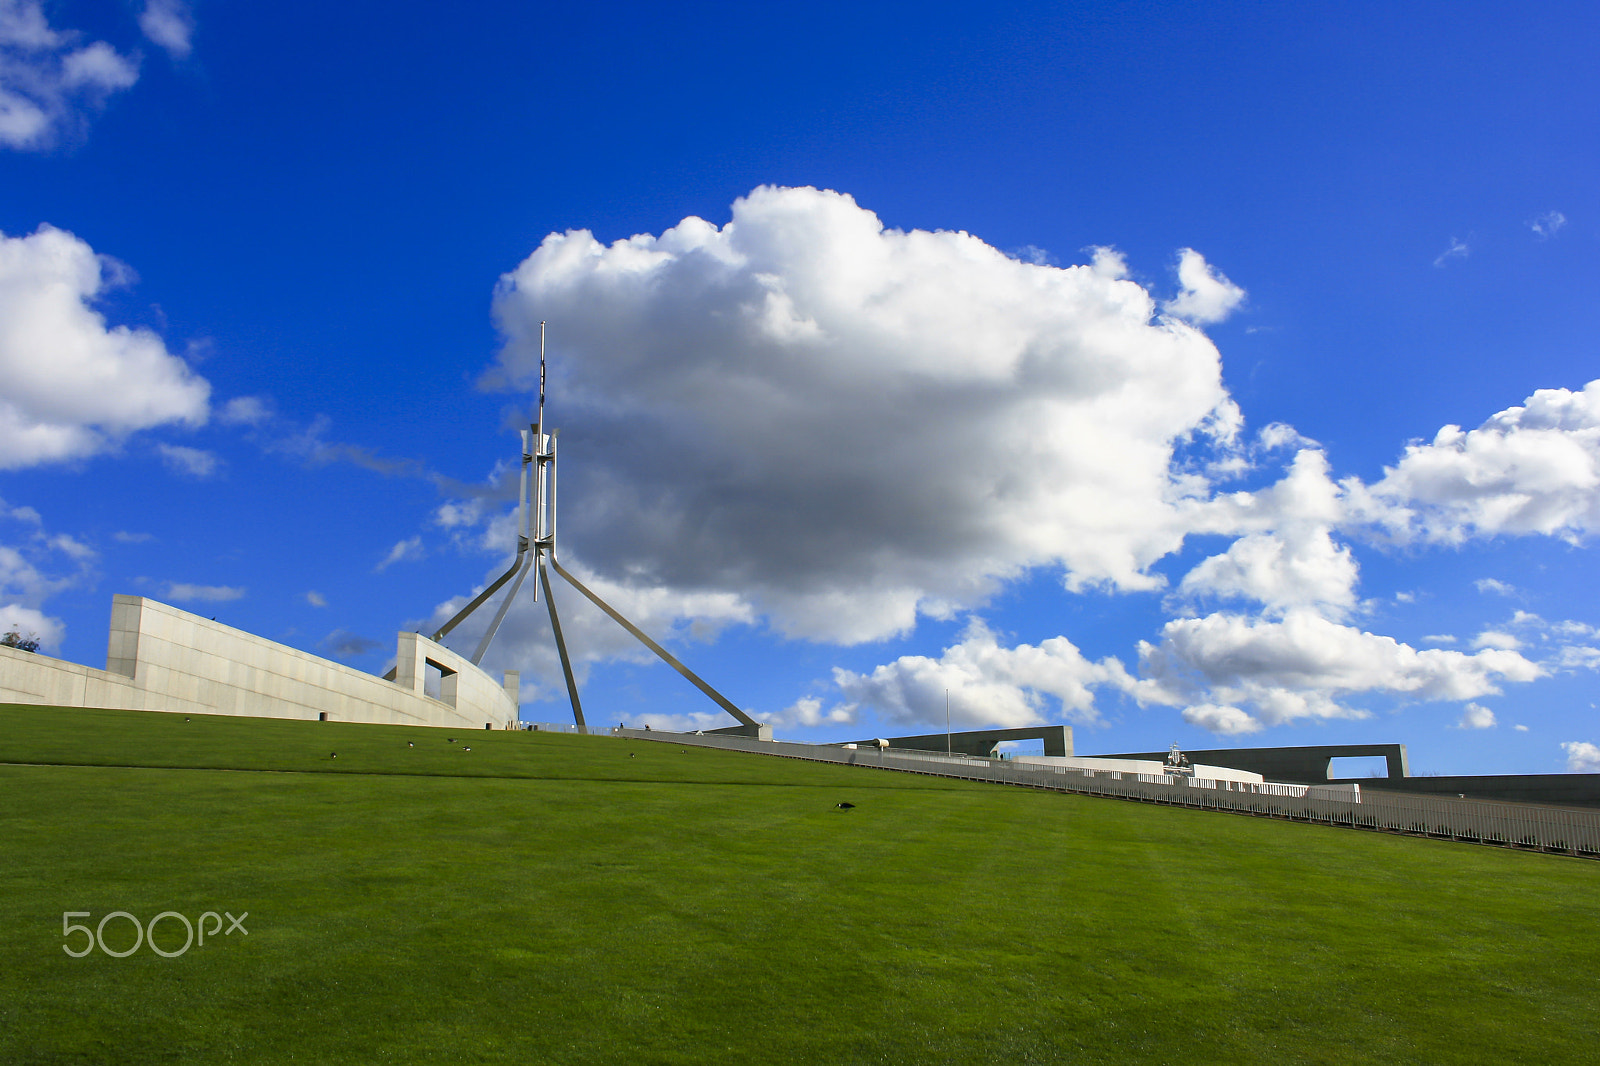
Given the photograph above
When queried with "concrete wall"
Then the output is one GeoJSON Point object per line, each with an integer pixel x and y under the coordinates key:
{"type": "Point", "coordinates": [159, 658]}
{"type": "Point", "coordinates": [1157, 767]}
{"type": "Point", "coordinates": [32, 678]}
{"type": "Point", "coordinates": [981, 742]}
{"type": "Point", "coordinates": [1309, 766]}
{"type": "Point", "coordinates": [1305, 765]}
{"type": "Point", "coordinates": [1555, 790]}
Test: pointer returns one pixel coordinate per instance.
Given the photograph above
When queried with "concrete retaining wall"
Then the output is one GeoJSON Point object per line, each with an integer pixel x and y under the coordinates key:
{"type": "Point", "coordinates": [159, 658]}
{"type": "Point", "coordinates": [981, 742]}
{"type": "Point", "coordinates": [1557, 790]}
{"type": "Point", "coordinates": [1155, 767]}
{"type": "Point", "coordinates": [1302, 765]}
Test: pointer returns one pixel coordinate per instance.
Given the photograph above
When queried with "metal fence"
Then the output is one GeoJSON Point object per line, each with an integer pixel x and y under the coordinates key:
{"type": "Point", "coordinates": [1479, 821]}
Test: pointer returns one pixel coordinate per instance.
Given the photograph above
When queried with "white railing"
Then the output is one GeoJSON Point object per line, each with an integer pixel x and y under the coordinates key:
{"type": "Point", "coordinates": [1480, 821]}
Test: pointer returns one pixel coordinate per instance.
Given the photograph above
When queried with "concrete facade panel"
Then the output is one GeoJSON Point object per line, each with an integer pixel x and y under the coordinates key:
{"type": "Point", "coordinates": [1554, 790]}
{"type": "Point", "coordinates": [163, 659]}
{"type": "Point", "coordinates": [1304, 765]}
{"type": "Point", "coordinates": [1057, 740]}
{"type": "Point", "coordinates": [1154, 767]}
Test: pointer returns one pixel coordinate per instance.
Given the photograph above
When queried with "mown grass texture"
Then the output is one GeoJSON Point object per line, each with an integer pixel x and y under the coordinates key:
{"type": "Point", "coordinates": [546, 898]}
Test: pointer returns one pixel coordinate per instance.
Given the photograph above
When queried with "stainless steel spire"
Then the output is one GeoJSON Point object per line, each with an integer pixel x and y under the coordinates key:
{"type": "Point", "coordinates": [536, 544]}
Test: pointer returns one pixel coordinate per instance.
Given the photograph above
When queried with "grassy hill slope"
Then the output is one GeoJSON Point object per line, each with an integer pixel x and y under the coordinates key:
{"type": "Point", "coordinates": [558, 899]}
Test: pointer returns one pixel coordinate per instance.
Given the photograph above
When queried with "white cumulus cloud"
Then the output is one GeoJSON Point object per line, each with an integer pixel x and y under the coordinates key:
{"type": "Point", "coordinates": [49, 80]}
{"type": "Point", "coordinates": [245, 411]}
{"type": "Point", "coordinates": [1532, 469]}
{"type": "Point", "coordinates": [849, 424]}
{"type": "Point", "coordinates": [73, 386]}
{"type": "Point", "coordinates": [1548, 224]}
{"type": "Point", "coordinates": [988, 684]}
{"type": "Point", "coordinates": [34, 566]}
{"type": "Point", "coordinates": [1582, 757]}
{"type": "Point", "coordinates": [1206, 296]}
{"type": "Point", "coordinates": [193, 462]}
{"type": "Point", "coordinates": [1224, 720]}
{"type": "Point", "coordinates": [29, 622]}
{"type": "Point", "coordinates": [97, 68]}
{"type": "Point", "coordinates": [1281, 571]}
{"type": "Point", "coordinates": [1526, 470]}
{"type": "Point", "coordinates": [809, 712]}
{"type": "Point", "coordinates": [1305, 665]}
{"type": "Point", "coordinates": [1577, 657]}
{"type": "Point", "coordinates": [1287, 556]}
{"type": "Point", "coordinates": [183, 592]}
{"type": "Point", "coordinates": [1476, 716]}
{"type": "Point", "coordinates": [24, 578]}
{"type": "Point", "coordinates": [170, 24]}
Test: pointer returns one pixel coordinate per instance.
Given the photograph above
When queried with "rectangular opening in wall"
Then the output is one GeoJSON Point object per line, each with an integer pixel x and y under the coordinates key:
{"type": "Point", "coordinates": [440, 682]}
{"type": "Point", "coordinates": [1357, 766]}
{"type": "Point", "coordinates": [322, 716]}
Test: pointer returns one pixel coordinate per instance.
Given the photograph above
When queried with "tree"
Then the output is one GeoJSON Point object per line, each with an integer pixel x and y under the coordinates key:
{"type": "Point", "coordinates": [14, 639]}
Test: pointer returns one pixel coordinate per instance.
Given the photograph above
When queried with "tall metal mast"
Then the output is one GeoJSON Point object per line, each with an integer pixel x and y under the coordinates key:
{"type": "Point", "coordinates": [536, 542]}
{"type": "Point", "coordinates": [543, 535]}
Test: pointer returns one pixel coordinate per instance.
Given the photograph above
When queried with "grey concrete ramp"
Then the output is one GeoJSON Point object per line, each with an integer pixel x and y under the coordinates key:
{"type": "Point", "coordinates": [1552, 790]}
{"type": "Point", "coordinates": [981, 742]}
{"type": "Point", "coordinates": [1306, 765]}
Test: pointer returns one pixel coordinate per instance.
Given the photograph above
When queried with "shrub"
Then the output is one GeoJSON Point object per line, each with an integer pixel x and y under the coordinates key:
{"type": "Point", "coordinates": [15, 639]}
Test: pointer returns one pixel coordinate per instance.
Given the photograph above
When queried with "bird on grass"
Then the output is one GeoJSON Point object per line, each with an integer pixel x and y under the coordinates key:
{"type": "Point", "coordinates": [845, 806]}
{"type": "Point", "coordinates": [468, 749]}
{"type": "Point", "coordinates": [333, 755]}
{"type": "Point", "coordinates": [409, 744]}
{"type": "Point", "coordinates": [630, 754]}
{"type": "Point", "coordinates": [451, 739]}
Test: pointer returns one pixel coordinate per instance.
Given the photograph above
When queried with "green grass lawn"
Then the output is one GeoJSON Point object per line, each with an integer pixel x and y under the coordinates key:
{"type": "Point", "coordinates": [547, 898]}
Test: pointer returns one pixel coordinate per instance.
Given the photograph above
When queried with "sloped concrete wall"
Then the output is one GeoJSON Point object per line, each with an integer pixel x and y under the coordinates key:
{"type": "Point", "coordinates": [1301, 765]}
{"type": "Point", "coordinates": [1057, 740]}
{"type": "Point", "coordinates": [32, 678]}
{"type": "Point", "coordinates": [159, 658]}
{"type": "Point", "coordinates": [1556, 790]}
{"type": "Point", "coordinates": [1157, 767]}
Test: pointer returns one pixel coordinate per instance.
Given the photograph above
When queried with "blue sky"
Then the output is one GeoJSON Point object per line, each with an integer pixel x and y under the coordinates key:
{"type": "Point", "coordinates": [1087, 361]}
